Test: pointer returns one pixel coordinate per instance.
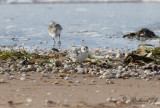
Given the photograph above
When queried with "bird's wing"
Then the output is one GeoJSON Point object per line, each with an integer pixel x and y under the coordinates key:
{"type": "Point", "coordinates": [51, 28]}
{"type": "Point", "coordinates": [76, 51]}
{"type": "Point", "coordinates": [58, 26]}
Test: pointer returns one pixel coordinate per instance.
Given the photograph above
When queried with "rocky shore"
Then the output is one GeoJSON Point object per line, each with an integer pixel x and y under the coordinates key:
{"type": "Point", "coordinates": [52, 79]}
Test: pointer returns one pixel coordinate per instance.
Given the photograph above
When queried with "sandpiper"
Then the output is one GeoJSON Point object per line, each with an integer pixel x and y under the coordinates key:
{"type": "Point", "coordinates": [54, 30]}
{"type": "Point", "coordinates": [80, 54]}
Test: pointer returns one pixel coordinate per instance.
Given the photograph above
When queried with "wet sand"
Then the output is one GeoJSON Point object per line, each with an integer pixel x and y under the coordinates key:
{"type": "Point", "coordinates": [89, 91]}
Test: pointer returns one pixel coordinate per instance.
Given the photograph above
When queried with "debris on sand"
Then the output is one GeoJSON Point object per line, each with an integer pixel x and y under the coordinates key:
{"type": "Point", "coordinates": [141, 35]}
{"type": "Point", "coordinates": [103, 63]}
{"type": "Point", "coordinates": [145, 54]}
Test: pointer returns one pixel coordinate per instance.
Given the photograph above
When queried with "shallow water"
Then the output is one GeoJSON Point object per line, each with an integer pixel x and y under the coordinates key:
{"type": "Point", "coordinates": [94, 23]}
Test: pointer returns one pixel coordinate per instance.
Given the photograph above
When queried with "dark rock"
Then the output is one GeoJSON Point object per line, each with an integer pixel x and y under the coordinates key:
{"type": "Point", "coordinates": [144, 33]}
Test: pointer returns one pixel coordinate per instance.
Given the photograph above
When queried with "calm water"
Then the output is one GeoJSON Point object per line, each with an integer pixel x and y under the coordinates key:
{"type": "Point", "coordinates": [94, 23]}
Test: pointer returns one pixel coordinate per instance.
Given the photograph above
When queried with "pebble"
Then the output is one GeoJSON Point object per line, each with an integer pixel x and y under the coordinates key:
{"type": "Point", "coordinates": [23, 78]}
{"type": "Point", "coordinates": [49, 102]}
{"type": "Point", "coordinates": [109, 99]}
{"type": "Point", "coordinates": [58, 63]}
{"type": "Point", "coordinates": [44, 75]}
{"type": "Point", "coordinates": [118, 75]}
{"type": "Point", "coordinates": [66, 67]}
{"type": "Point", "coordinates": [97, 91]}
{"type": "Point", "coordinates": [48, 93]}
{"type": "Point", "coordinates": [66, 101]}
{"type": "Point", "coordinates": [29, 100]}
{"type": "Point", "coordinates": [120, 68]}
{"type": "Point", "coordinates": [12, 77]}
{"type": "Point", "coordinates": [119, 55]}
{"type": "Point", "coordinates": [67, 78]}
{"type": "Point", "coordinates": [148, 79]}
{"type": "Point", "coordinates": [38, 69]}
{"type": "Point", "coordinates": [109, 81]}
{"type": "Point", "coordinates": [77, 81]}
{"type": "Point", "coordinates": [128, 101]}
{"type": "Point", "coordinates": [93, 80]}
{"type": "Point", "coordinates": [143, 106]}
{"type": "Point", "coordinates": [10, 102]}
{"type": "Point", "coordinates": [23, 75]}
{"type": "Point", "coordinates": [2, 81]}
{"type": "Point", "coordinates": [101, 72]}
{"type": "Point", "coordinates": [29, 67]}
{"type": "Point", "coordinates": [157, 103]}
{"type": "Point", "coordinates": [55, 82]}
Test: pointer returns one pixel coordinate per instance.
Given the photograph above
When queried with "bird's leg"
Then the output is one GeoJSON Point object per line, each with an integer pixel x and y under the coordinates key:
{"type": "Point", "coordinates": [54, 42]}
{"type": "Point", "coordinates": [54, 49]}
{"type": "Point", "coordinates": [59, 42]}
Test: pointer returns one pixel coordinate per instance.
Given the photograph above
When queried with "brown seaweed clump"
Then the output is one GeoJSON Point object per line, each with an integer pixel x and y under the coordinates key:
{"type": "Point", "coordinates": [145, 54]}
{"type": "Point", "coordinates": [142, 34]}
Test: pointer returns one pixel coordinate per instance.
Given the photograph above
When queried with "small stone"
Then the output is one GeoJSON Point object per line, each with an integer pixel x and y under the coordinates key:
{"type": "Point", "coordinates": [23, 75]}
{"type": "Point", "coordinates": [66, 67]}
{"type": "Point", "coordinates": [101, 72]}
{"type": "Point", "coordinates": [148, 79]}
{"type": "Point", "coordinates": [157, 103]}
{"type": "Point", "coordinates": [120, 68]}
{"type": "Point", "coordinates": [38, 69]}
{"type": "Point", "coordinates": [58, 63]}
{"type": "Point", "coordinates": [12, 66]}
{"type": "Point", "coordinates": [93, 80]}
{"type": "Point", "coordinates": [80, 70]}
{"type": "Point", "coordinates": [11, 77]}
{"type": "Point", "coordinates": [124, 69]}
{"type": "Point", "coordinates": [44, 75]}
{"type": "Point", "coordinates": [143, 106]}
{"type": "Point", "coordinates": [119, 55]}
{"type": "Point", "coordinates": [61, 75]}
{"type": "Point", "coordinates": [48, 93]}
{"type": "Point", "coordinates": [23, 78]}
{"type": "Point", "coordinates": [112, 91]}
{"type": "Point", "coordinates": [109, 81]}
{"type": "Point", "coordinates": [29, 100]}
{"type": "Point", "coordinates": [66, 101]}
{"type": "Point", "coordinates": [97, 91]}
{"type": "Point", "coordinates": [118, 75]}
{"type": "Point", "coordinates": [77, 82]}
{"type": "Point", "coordinates": [2, 81]}
{"type": "Point", "coordinates": [50, 102]}
{"type": "Point", "coordinates": [109, 99]}
{"type": "Point", "coordinates": [10, 102]}
{"type": "Point", "coordinates": [128, 101]}
{"type": "Point", "coordinates": [119, 103]}
{"type": "Point", "coordinates": [100, 77]}
{"type": "Point", "coordinates": [29, 67]}
{"type": "Point", "coordinates": [55, 82]}
{"type": "Point", "coordinates": [67, 78]}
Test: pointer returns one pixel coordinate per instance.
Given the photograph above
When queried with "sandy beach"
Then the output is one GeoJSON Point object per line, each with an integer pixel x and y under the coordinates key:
{"type": "Point", "coordinates": [81, 91]}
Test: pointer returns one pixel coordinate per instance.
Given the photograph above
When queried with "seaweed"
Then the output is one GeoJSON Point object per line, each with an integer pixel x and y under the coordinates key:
{"type": "Point", "coordinates": [146, 53]}
{"type": "Point", "coordinates": [10, 54]}
{"type": "Point", "coordinates": [144, 33]}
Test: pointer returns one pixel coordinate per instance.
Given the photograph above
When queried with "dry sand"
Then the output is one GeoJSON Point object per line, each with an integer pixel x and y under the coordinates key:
{"type": "Point", "coordinates": [51, 91]}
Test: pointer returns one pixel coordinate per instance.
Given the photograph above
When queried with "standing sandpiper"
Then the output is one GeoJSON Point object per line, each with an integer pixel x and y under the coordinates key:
{"type": "Point", "coordinates": [54, 30]}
